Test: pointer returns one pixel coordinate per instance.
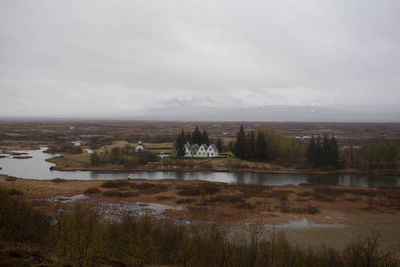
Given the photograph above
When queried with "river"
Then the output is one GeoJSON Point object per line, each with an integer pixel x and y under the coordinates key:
{"type": "Point", "coordinates": [37, 168]}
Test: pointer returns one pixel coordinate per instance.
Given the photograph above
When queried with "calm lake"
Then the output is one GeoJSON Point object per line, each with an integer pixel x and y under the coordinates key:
{"type": "Point", "coordinates": [37, 168]}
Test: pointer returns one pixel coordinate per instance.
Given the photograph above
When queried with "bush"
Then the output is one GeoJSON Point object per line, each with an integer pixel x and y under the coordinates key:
{"type": "Point", "coordinates": [19, 221]}
{"type": "Point", "coordinates": [185, 201]}
{"type": "Point", "coordinates": [115, 183]}
{"type": "Point", "coordinates": [188, 190]}
{"type": "Point", "coordinates": [58, 180]}
{"type": "Point", "coordinates": [149, 188]}
{"type": "Point", "coordinates": [130, 194]}
{"type": "Point", "coordinates": [78, 238]}
{"type": "Point", "coordinates": [226, 199]}
{"type": "Point", "coordinates": [91, 190]}
{"type": "Point", "coordinates": [209, 188]}
{"type": "Point", "coordinates": [11, 178]}
{"type": "Point", "coordinates": [14, 192]}
{"type": "Point", "coordinates": [112, 193]}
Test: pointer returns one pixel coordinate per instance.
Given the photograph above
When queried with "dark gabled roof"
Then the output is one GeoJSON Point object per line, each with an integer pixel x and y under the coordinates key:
{"type": "Point", "coordinates": [214, 147]}
{"type": "Point", "coordinates": [195, 146]}
{"type": "Point", "coordinates": [187, 146]}
{"type": "Point", "coordinates": [204, 146]}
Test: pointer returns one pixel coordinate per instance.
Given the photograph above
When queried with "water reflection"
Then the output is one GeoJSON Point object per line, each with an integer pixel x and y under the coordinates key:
{"type": "Point", "coordinates": [37, 168]}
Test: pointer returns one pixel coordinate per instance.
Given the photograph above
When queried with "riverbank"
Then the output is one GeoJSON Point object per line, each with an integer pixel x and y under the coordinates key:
{"type": "Point", "coordinates": [232, 165]}
{"type": "Point", "coordinates": [313, 214]}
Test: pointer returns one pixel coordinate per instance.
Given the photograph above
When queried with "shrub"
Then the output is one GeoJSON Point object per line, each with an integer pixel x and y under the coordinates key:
{"type": "Point", "coordinates": [251, 190]}
{"type": "Point", "coordinates": [11, 179]}
{"type": "Point", "coordinates": [112, 193]}
{"type": "Point", "coordinates": [188, 190]}
{"type": "Point", "coordinates": [161, 198]}
{"type": "Point", "coordinates": [305, 194]}
{"type": "Point", "coordinates": [366, 252]}
{"type": "Point", "coordinates": [115, 183]}
{"type": "Point", "coordinates": [91, 190]}
{"type": "Point", "coordinates": [14, 192]}
{"type": "Point", "coordinates": [185, 201]}
{"type": "Point", "coordinates": [226, 199]}
{"type": "Point", "coordinates": [58, 180]}
{"type": "Point", "coordinates": [78, 238]}
{"type": "Point", "coordinates": [149, 188]}
{"type": "Point", "coordinates": [130, 194]}
{"type": "Point", "coordinates": [209, 188]}
{"type": "Point", "coordinates": [19, 221]}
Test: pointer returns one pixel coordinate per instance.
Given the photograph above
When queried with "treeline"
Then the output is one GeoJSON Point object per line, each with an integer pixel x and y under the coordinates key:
{"type": "Point", "coordinates": [125, 155]}
{"type": "Point", "coordinates": [196, 137]}
{"type": "Point", "coordinates": [376, 155]}
{"type": "Point", "coordinates": [79, 237]}
{"type": "Point", "coordinates": [267, 145]}
{"type": "Point", "coordinates": [323, 152]}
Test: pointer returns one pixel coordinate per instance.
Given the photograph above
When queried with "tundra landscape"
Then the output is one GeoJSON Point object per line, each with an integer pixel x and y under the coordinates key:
{"type": "Point", "coordinates": [199, 133]}
{"type": "Point", "coordinates": [321, 214]}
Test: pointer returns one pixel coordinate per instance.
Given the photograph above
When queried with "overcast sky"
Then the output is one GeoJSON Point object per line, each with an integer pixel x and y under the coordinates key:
{"type": "Point", "coordinates": [335, 60]}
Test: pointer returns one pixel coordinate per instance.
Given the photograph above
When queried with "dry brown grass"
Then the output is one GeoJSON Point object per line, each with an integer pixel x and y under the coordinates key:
{"type": "Point", "coordinates": [14, 192]}
{"type": "Point", "coordinates": [149, 188]}
{"type": "Point", "coordinates": [91, 190]}
{"type": "Point", "coordinates": [185, 201]}
{"type": "Point", "coordinates": [188, 190]}
{"type": "Point", "coordinates": [115, 183]}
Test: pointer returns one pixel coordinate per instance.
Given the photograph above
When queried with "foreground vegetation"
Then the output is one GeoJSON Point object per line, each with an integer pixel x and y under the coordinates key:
{"type": "Point", "coordinates": [77, 236]}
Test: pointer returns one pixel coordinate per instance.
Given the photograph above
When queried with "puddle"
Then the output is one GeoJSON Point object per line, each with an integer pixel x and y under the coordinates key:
{"type": "Point", "coordinates": [64, 199]}
{"type": "Point", "coordinates": [304, 223]}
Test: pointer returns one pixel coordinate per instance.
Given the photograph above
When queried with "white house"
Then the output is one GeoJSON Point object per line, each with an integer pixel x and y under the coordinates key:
{"type": "Point", "coordinates": [197, 151]}
{"type": "Point", "coordinates": [188, 150]}
{"type": "Point", "coordinates": [140, 147]}
{"type": "Point", "coordinates": [194, 149]}
{"type": "Point", "coordinates": [212, 151]}
{"type": "Point", "coordinates": [202, 152]}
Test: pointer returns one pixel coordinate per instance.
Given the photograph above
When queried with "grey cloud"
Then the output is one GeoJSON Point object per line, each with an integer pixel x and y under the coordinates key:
{"type": "Point", "coordinates": [113, 58]}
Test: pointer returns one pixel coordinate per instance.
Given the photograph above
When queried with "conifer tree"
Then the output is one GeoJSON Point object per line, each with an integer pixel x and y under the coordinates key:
{"type": "Point", "coordinates": [205, 139]}
{"type": "Point", "coordinates": [261, 149]}
{"type": "Point", "coordinates": [311, 151]}
{"type": "Point", "coordinates": [220, 144]}
{"type": "Point", "coordinates": [240, 146]}
{"type": "Point", "coordinates": [334, 153]}
{"type": "Point", "coordinates": [188, 137]}
{"type": "Point", "coordinates": [325, 151]}
{"type": "Point", "coordinates": [197, 137]}
{"type": "Point", "coordinates": [251, 144]}
{"type": "Point", "coordinates": [180, 144]}
{"type": "Point", "coordinates": [318, 152]}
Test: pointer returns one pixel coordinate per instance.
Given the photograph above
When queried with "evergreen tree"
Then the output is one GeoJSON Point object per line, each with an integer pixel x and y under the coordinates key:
{"type": "Point", "coordinates": [318, 152]}
{"type": "Point", "coordinates": [325, 151]}
{"type": "Point", "coordinates": [188, 138]}
{"type": "Point", "coordinates": [220, 144]}
{"type": "Point", "coordinates": [240, 145]}
{"type": "Point", "coordinates": [261, 153]}
{"type": "Point", "coordinates": [205, 139]}
{"type": "Point", "coordinates": [251, 144]}
{"type": "Point", "coordinates": [197, 137]}
{"type": "Point", "coordinates": [334, 153]}
{"type": "Point", "coordinates": [180, 144]}
{"type": "Point", "coordinates": [311, 151]}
